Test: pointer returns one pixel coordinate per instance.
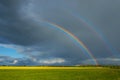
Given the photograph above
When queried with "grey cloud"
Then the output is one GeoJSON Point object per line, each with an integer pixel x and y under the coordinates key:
{"type": "Point", "coordinates": [21, 26]}
{"type": "Point", "coordinates": [104, 61]}
{"type": "Point", "coordinates": [6, 60]}
{"type": "Point", "coordinates": [35, 53]}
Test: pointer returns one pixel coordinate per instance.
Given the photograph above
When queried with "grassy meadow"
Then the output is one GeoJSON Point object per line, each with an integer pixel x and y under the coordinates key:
{"type": "Point", "coordinates": [59, 73]}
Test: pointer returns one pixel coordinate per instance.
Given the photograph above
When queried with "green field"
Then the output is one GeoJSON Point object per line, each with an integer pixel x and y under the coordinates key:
{"type": "Point", "coordinates": [59, 73]}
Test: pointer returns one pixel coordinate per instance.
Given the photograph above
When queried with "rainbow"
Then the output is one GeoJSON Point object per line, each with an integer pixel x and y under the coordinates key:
{"type": "Point", "coordinates": [73, 37]}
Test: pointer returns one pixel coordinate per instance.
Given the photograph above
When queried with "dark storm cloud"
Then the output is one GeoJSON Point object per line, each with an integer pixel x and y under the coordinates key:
{"type": "Point", "coordinates": [21, 27]}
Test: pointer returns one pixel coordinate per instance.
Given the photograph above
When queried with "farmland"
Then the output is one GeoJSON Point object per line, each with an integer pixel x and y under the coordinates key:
{"type": "Point", "coordinates": [59, 73]}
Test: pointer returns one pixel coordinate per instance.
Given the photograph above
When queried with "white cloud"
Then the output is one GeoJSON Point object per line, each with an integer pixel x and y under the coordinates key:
{"type": "Point", "coordinates": [15, 61]}
{"type": "Point", "coordinates": [16, 47]}
{"type": "Point", "coordinates": [27, 51]}
{"type": "Point", "coordinates": [1, 60]}
{"type": "Point", "coordinates": [52, 61]}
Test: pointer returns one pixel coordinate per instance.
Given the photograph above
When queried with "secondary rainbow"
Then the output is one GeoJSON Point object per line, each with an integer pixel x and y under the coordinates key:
{"type": "Point", "coordinates": [98, 33]}
{"type": "Point", "coordinates": [73, 37]}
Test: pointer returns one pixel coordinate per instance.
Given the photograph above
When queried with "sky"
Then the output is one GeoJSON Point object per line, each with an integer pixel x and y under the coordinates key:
{"type": "Point", "coordinates": [59, 32]}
